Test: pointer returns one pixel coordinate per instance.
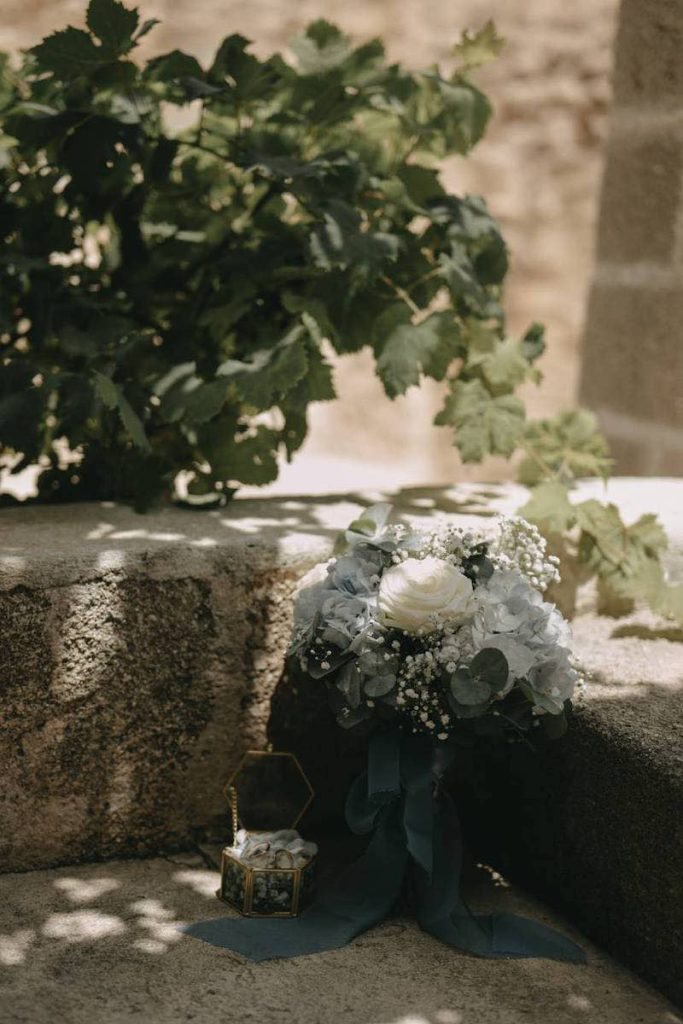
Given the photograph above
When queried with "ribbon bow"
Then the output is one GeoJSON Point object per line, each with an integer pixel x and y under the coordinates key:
{"type": "Point", "coordinates": [412, 828]}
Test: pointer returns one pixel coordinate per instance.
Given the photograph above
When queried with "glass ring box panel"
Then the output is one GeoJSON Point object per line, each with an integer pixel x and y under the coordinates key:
{"type": "Point", "coordinates": [269, 871]}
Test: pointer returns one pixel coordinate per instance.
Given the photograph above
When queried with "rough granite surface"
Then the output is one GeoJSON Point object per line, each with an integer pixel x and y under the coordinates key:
{"type": "Point", "coordinates": [141, 655]}
{"type": "Point", "coordinates": [99, 943]}
{"type": "Point", "coordinates": [594, 821]}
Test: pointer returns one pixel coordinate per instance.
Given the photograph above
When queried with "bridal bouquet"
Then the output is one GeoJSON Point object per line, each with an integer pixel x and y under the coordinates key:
{"type": "Point", "coordinates": [421, 636]}
{"type": "Point", "coordinates": [439, 631]}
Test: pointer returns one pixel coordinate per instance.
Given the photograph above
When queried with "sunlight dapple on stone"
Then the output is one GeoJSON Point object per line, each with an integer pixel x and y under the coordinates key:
{"type": "Point", "coordinates": [140, 656]}
{"type": "Point", "coordinates": [124, 958]}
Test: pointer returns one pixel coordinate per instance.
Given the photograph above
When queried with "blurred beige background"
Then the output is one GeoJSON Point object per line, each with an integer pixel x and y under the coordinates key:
{"type": "Point", "coordinates": [539, 167]}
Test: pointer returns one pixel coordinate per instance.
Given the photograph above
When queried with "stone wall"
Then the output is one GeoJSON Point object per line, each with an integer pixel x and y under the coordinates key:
{"type": "Point", "coordinates": [633, 356]}
{"type": "Point", "coordinates": [539, 168]}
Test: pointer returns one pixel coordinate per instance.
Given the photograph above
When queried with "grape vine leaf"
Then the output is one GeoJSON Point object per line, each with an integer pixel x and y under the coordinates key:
{"type": "Point", "coordinates": [549, 507]}
{"type": "Point", "coordinates": [484, 424]}
{"type": "Point", "coordinates": [412, 349]}
{"type": "Point", "coordinates": [569, 445]}
{"type": "Point", "coordinates": [68, 53]}
{"type": "Point", "coordinates": [478, 48]}
{"type": "Point", "coordinates": [113, 24]}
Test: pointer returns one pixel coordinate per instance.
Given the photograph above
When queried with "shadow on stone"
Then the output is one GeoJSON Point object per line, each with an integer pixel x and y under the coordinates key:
{"type": "Point", "coordinates": [673, 633]}
{"type": "Point", "coordinates": [590, 822]}
{"type": "Point", "coordinates": [301, 722]}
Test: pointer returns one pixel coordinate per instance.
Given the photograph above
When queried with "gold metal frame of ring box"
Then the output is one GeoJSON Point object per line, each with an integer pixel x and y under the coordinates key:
{"type": "Point", "coordinates": [246, 907]}
{"type": "Point", "coordinates": [243, 888]}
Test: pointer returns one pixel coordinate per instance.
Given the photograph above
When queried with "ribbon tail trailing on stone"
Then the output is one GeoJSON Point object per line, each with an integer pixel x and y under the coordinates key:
{"type": "Point", "coordinates": [411, 829]}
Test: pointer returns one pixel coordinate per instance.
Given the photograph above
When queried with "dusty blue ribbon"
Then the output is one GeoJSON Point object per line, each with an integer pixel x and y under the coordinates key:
{"type": "Point", "coordinates": [411, 828]}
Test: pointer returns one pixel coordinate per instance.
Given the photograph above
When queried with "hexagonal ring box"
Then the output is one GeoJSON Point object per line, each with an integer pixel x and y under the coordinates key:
{"type": "Point", "coordinates": [267, 793]}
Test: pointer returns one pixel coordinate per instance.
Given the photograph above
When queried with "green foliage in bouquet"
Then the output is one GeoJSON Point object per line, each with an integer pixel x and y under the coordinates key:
{"type": "Point", "coordinates": [166, 293]}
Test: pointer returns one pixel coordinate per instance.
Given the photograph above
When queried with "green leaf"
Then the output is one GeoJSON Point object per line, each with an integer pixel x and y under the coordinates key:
{"type": "Point", "coordinates": [469, 689]}
{"type": "Point", "coordinates": [34, 125]}
{"type": "Point", "coordinates": [105, 389]}
{"type": "Point", "coordinates": [6, 81]}
{"type": "Point", "coordinates": [248, 78]}
{"type": "Point", "coordinates": [292, 213]}
{"type": "Point", "coordinates": [569, 445]}
{"type": "Point", "coordinates": [220, 319]}
{"type": "Point", "coordinates": [271, 372]}
{"type": "Point", "coordinates": [319, 378]}
{"type": "Point", "coordinates": [172, 66]}
{"type": "Point", "coordinates": [648, 534]}
{"type": "Point", "coordinates": [604, 526]}
{"type": "Point", "coordinates": [533, 342]}
{"type": "Point", "coordinates": [132, 423]}
{"type": "Point", "coordinates": [479, 568]}
{"type": "Point", "coordinates": [251, 460]}
{"type": "Point", "coordinates": [483, 424]}
{"type": "Point", "coordinates": [113, 24]}
{"type": "Point", "coordinates": [316, 385]}
{"type": "Point", "coordinates": [79, 343]}
{"type": "Point", "coordinates": [627, 561]}
{"type": "Point", "coordinates": [421, 183]}
{"type": "Point", "coordinates": [465, 114]}
{"type": "Point", "coordinates": [146, 27]}
{"type": "Point", "coordinates": [368, 529]}
{"type": "Point", "coordinates": [413, 349]}
{"type": "Point", "coordinates": [322, 47]}
{"type": "Point", "coordinates": [491, 665]}
{"type": "Point", "coordinates": [371, 521]}
{"type": "Point", "coordinates": [503, 366]}
{"type": "Point", "coordinates": [68, 54]}
{"type": "Point", "coordinates": [338, 241]}
{"type": "Point", "coordinates": [111, 395]}
{"type": "Point", "coordinates": [478, 48]}
{"type": "Point", "coordinates": [379, 686]}
{"type": "Point", "coordinates": [549, 507]}
{"type": "Point", "coordinates": [174, 389]}
{"type": "Point", "coordinates": [204, 402]}
{"type": "Point", "coordinates": [465, 218]}
{"type": "Point", "coordinates": [461, 277]}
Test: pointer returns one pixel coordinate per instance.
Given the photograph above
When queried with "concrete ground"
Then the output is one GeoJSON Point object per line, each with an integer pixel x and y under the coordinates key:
{"type": "Point", "coordinates": [98, 944]}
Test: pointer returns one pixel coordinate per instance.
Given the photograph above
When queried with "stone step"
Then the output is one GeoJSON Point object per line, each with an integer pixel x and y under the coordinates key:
{"type": "Point", "coordinates": [100, 943]}
{"type": "Point", "coordinates": [140, 655]}
{"type": "Point", "coordinates": [594, 821]}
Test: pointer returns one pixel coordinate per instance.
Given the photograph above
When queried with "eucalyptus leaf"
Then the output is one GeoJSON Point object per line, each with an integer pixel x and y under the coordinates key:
{"type": "Point", "coordinates": [490, 665]}
{"type": "Point", "coordinates": [379, 686]}
{"type": "Point", "coordinates": [462, 710]}
{"type": "Point", "coordinates": [470, 689]}
{"type": "Point", "coordinates": [349, 683]}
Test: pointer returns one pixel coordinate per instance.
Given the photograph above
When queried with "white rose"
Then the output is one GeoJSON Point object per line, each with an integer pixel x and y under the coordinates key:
{"type": "Point", "coordinates": [417, 590]}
